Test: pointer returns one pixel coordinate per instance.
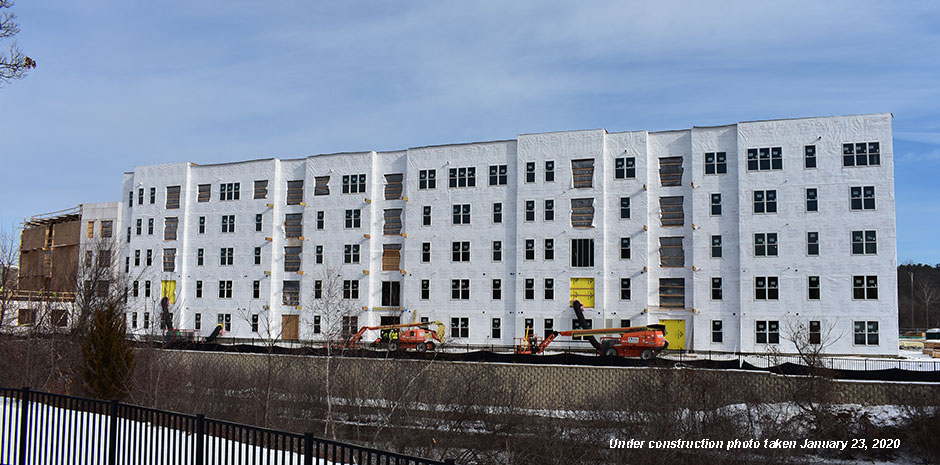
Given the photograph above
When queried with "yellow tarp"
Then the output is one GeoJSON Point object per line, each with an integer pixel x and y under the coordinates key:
{"type": "Point", "coordinates": [168, 290]}
{"type": "Point", "coordinates": [583, 290]}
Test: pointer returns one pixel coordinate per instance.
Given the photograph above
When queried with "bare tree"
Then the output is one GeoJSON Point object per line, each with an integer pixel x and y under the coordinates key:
{"type": "Point", "coordinates": [14, 65]}
{"type": "Point", "coordinates": [9, 254]}
{"type": "Point", "coordinates": [263, 324]}
{"type": "Point", "coordinates": [928, 292]}
{"type": "Point", "coordinates": [811, 344]}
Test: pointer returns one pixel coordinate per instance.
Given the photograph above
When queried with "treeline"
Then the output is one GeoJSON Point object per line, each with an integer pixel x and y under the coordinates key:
{"type": "Point", "coordinates": [918, 296]}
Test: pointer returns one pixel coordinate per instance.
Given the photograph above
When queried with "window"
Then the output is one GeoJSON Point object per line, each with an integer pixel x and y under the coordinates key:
{"type": "Point", "coordinates": [320, 220]}
{"type": "Point", "coordinates": [864, 243]}
{"type": "Point", "coordinates": [813, 287]}
{"type": "Point", "coordinates": [548, 325]}
{"type": "Point", "coordinates": [861, 154]}
{"type": "Point", "coordinates": [393, 186]}
{"type": "Point", "coordinates": [135, 289]}
{"type": "Point", "coordinates": [497, 289]}
{"type": "Point", "coordinates": [530, 249]}
{"type": "Point", "coordinates": [549, 285]}
{"type": "Point", "coordinates": [425, 289]}
{"type": "Point", "coordinates": [765, 201]}
{"type": "Point", "coordinates": [812, 200]}
{"type": "Point", "coordinates": [354, 183]}
{"type": "Point", "coordinates": [866, 333]}
{"type": "Point", "coordinates": [550, 171]}
{"type": "Point", "coordinates": [295, 192]}
{"type": "Point", "coordinates": [765, 244]}
{"type": "Point", "coordinates": [169, 260]}
{"type": "Point", "coordinates": [624, 208]}
{"type": "Point", "coordinates": [670, 171]}
{"type": "Point", "coordinates": [318, 294]}
{"type": "Point", "coordinates": [226, 256]}
{"type": "Point", "coordinates": [316, 324]}
{"type": "Point", "coordinates": [229, 191]}
{"type": "Point", "coordinates": [137, 257]}
{"type": "Point", "coordinates": [426, 252]}
{"type": "Point", "coordinates": [140, 224]}
{"type": "Point", "coordinates": [259, 222]}
{"type": "Point", "coordinates": [529, 172]}
{"type": "Point", "coordinates": [624, 288]}
{"type": "Point", "coordinates": [717, 336]}
{"type": "Point", "coordinates": [146, 320]}
{"type": "Point", "coordinates": [625, 168]}
{"type": "Point", "coordinates": [582, 173]}
{"type": "Point", "coordinates": [149, 226]}
{"type": "Point", "coordinates": [261, 189]}
{"type": "Point", "coordinates": [671, 212]}
{"type": "Point", "coordinates": [149, 257]}
{"type": "Point", "coordinates": [463, 177]}
{"type": "Point", "coordinates": [460, 251]}
{"type": "Point", "coordinates": [549, 210]}
{"type": "Point", "coordinates": [200, 257]}
{"type": "Point", "coordinates": [350, 325]}
{"type": "Point", "coordinates": [427, 179]}
{"type": "Point", "coordinates": [529, 292]}
{"type": "Point", "coordinates": [292, 257]}
{"type": "Point", "coordinates": [140, 196]}
{"type": "Point", "coordinates": [353, 218]}
{"type": "Point", "coordinates": [768, 332]}
{"type": "Point", "coordinates": [716, 289]}
{"type": "Point", "coordinates": [765, 288]}
{"type": "Point", "coordinates": [863, 198]}
{"type": "Point", "coordinates": [198, 289]}
{"type": "Point", "coordinates": [865, 287]}
{"type": "Point", "coordinates": [172, 197]}
{"type": "Point", "coordinates": [318, 255]}
{"type": "Point", "coordinates": [549, 249]}
{"type": "Point", "coordinates": [256, 289]}
{"type": "Point", "coordinates": [257, 255]}
{"type": "Point", "coordinates": [294, 224]}
{"type": "Point", "coordinates": [716, 163]}
{"type": "Point", "coordinates": [672, 292]}
{"type": "Point", "coordinates": [202, 225]}
{"type": "Point", "coordinates": [426, 215]}
{"type": "Point", "coordinates": [497, 213]}
{"type": "Point", "coordinates": [228, 223]}
{"type": "Point", "coordinates": [582, 253]}
{"type": "Point", "coordinates": [530, 210]}
{"type": "Point", "coordinates": [89, 258]}
{"type": "Point", "coordinates": [462, 213]}
{"type": "Point", "coordinates": [671, 253]}
{"type": "Point", "coordinates": [254, 322]}
{"type": "Point", "coordinates": [198, 320]}
{"type": "Point", "coordinates": [392, 225]}
{"type": "Point", "coordinates": [812, 243]}
{"type": "Point", "coordinates": [170, 226]}
{"type": "Point", "coordinates": [460, 289]}
{"type": "Point", "coordinates": [716, 204]}
{"type": "Point", "coordinates": [351, 289]}
{"type": "Point", "coordinates": [106, 228]}
{"type": "Point", "coordinates": [765, 159]}
{"type": "Point", "coordinates": [624, 248]}
{"type": "Point", "coordinates": [351, 253]}
{"type": "Point", "coordinates": [127, 264]}
{"type": "Point", "coordinates": [498, 175]}
{"type": "Point", "coordinates": [582, 213]}
{"type": "Point", "coordinates": [225, 289]}
{"type": "Point", "coordinates": [153, 195]}
{"type": "Point", "coordinates": [815, 332]}
{"type": "Point", "coordinates": [497, 251]}
{"type": "Point", "coordinates": [290, 293]}
{"type": "Point", "coordinates": [459, 327]}
{"type": "Point", "coordinates": [322, 186]}
{"type": "Point", "coordinates": [146, 288]}
{"type": "Point", "coordinates": [576, 325]}
{"type": "Point", "coordinates": [128, 234]}
{"type": "Point", "coordinates": [495, 326]}
{"type": "Point", "coordinates": [809, 156]}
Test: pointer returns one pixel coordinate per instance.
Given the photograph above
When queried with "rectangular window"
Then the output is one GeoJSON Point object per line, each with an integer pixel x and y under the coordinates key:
{"type": "Point", "coordinates": [460, 251]}
{"type": "Point", "coordinates": [765, 159]}
{"type": "Point", "coordinates": [228, 223]}
{"type": "Point", "coordinates": [624, 208]}
{"type": "Point", "coordinates": [137, 257]}
{"type": "Point", "coordinates": [463, 177]}
{"type": "Point", "coordinates": [672, 292]}
{"type": "Point", "coordinates": [320, 225]}
{"type": "Point", "coordinates": [671, 212]}
{"type": "Point", "coordinates": [495, 328]}
{"type": "Point", "coordinates": [460, 289]}
{"type": "Point", "coordinates": [765, 201]}
{"type": "Point", "coordinates": [815, 332]}
{"type": "Point", "coordinates": [317, 293]}
{"type": "Point", "coordinates": [140, 196]}
{"type": "Point", "coordinates": [261, 189]}
{"type": "Point", "coordinates": [351, 289]}
{"type": "Point", "coordinates": [226, 256]}
{"type": "Point", "coordinates": [625, 168]}
{"type": "Point", "coordinates": [254, 322]}
{"type": "Point", "coordinates": [549, 285]}
{"type": "Point", "coordinates": [497, 289]}
{"type": "Point", "coordinates": [351, 253]}
{"type": "Point", "coordinates": [671, 253]}
{"type": "Point", "coordinates": [716, 163]}
{"type": "Point", "coordinates": [295, 192]}
{"type": "Point", "coordinates": [128, 234]}
{"type": "Point", "coordinates": [317, 327]}
{"type": "Point", "coordinates": [200, 257]}
{"type": "Point", "coordinates": [865, 287]}
{"type": "Point", "coordinates": [576, 325]}
{"type": "Point", "coordinates": [135, 289]}
{"type": "Point", "coordinates": [170, 226]}
{"type": "Point", "coordinates": [549, 249]}
{"type": "Point", "coordinates": [427, 179]}
{"type": "Point", "coordinates": [498, 174]}
{"type": "Point", "coordinates": [861, 154]}
{"type": "Point", "coordinates": [202, 225]}
{"type": "Point", "coordinates": [392, 226]}
{"type": "Point", "coordinates": [866, 333]}
{"type": "Point", "coordinates": [169, 260]}
{"type": "Point", "coordinates": [146, 288]}
{"type": "Point", "coordinates": [809, 156]}
{"type": "Point", "coordinates": [259, 222]}
{"type": "Point", "coordinates": [812, 243]}
{"type": "Point", "coordinates": [318, 255]}
{"type": "Point", "coordinates": [624, 288]}
{"type": "Point", "coordinates": [459, 327]}
{"type": "Point", "coordinates": [768, 332]}
{"type": "Point", "coordinates": [549, 171]}
{"type": "Point", "coordinates": [140, 224]}
{"type": "Point", "coordinates": [582, 173]}
{"type": "Point", "coordinates": [172, 197]}
{"type": "Point", "coordinates": [529, 291]}
{"type": "Point", "coordinates": [425, 289]}
{"type": "Point", "coordinates": [198, 289]}
{"type": "Point", "coordinates": [497, 213]}
{"type": "Point", "coordinates": [149, 257]}
{"type": "Point", "coordinates": [256, 289]}
{"type": "Point", "coordinates": [294, 224]}
{"type": "Point", "coordinates": [292, 258]}
{"type": "Point", "coordinates": [717, 336]}
{"type": "Point", "coordinates": [354, 184]}
{"type": "Point", "coordinates": [229, 191]}
{"type": "Point", "coordinates": [497, 251]}
{"type": "Point", "coordinates": [106, 228]}
{"type": "Point", "coordinates": [393, 186]}
{"type": "Point", "coordinates": [864, 243]}
{"type": "Point", "coordinates": [670, 171]}
{"type": "Point", "coordinates": [862, 197]}
{"type": "Point", "coordinates": [146, 320]}
{"type": "Point", "coordinates": [426, 215]}
{"type": "Point", "coordinates": [461, 214]}
{"type": "Point", "coordinates": [582, 253]}
{"type": "Point", "coordinates": [530, 210]}
{"type": "Point", "coordinates": [812, 200]}
{"type": "Point", "coordinates": [624, 248]}
{"type": "Point", "coordinates": [257, 255]}
{"type": "Point", "coordinates": [530, 172]}
{"type": "Point", "coordinates": [549, 210]}
{"type": "Point", "coordinates": [582, 213]}
{"type": "Point", "coordinates": [813, 286]}
{"type": "Point", "coordinates": [198, 321]}
{"type": "Point", "coordinates": [765, 288]}
{"type": "Point", "coordinates": [530, 249]}
{"type": "Point", "coordinates": [353, 218]}
{"type": "Point", "coordinates": [716, 204]}
{"type": "Point", "coordinates": [321, 186]}
{"type": "Point", "coordinates": [225, 289]}
{"type": "Point", "coordinates": [426, 252]}
{"type": "Point", "coordinates": [716, 289]}
{"type": "Point", "coordinates": [290, 293]}
{"type": "Point", "coordinates": [765, 244]}
{"type": "Point", "coordinates": [391, 257]}
{"type": "Point", "coordinates": [149, 226]}
{"type": "Point", "coordinates": [153, 195]}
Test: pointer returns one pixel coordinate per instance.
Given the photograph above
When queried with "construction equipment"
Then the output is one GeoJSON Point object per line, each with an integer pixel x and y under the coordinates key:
{"type": "Point", "coordinates": [403, 336]}
{"type": "Point", "coordinates": [644, 342]}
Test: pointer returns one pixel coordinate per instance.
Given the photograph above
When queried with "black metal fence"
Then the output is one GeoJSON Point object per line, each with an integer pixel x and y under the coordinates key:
{"type": "Point", "coordinates": [43, 428]}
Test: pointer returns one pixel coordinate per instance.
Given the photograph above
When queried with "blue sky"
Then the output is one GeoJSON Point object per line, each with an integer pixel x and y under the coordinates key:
{"type": "Point", "coordinates": [121, 84]}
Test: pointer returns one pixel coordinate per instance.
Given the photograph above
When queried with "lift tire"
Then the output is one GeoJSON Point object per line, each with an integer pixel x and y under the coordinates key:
{"type": "Point", "coordinates": [429, 346]}
{"type": "Point", "coordinates": [421, 347]}
{"type": "Point", "coordinates": [647, 354]}
{"type": "Point", "coordinates": [393, 347]}
{"type": "Point", "coordinates": [610, 352]}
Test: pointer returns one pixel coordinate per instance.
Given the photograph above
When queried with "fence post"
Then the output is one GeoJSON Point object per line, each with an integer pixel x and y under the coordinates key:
{"type": "Point", "coordinates": [308, 448]}
{"type": "Point", "coordinates": [24, 423]}
{"type": "Point", "coordinates": [200, 439]}
{"type": "Point", "coordinates": [112, 432]}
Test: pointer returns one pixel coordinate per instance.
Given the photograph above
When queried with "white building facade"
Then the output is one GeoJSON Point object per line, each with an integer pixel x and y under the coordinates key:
{"type": "Point", "coordinates": [737, 238]}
